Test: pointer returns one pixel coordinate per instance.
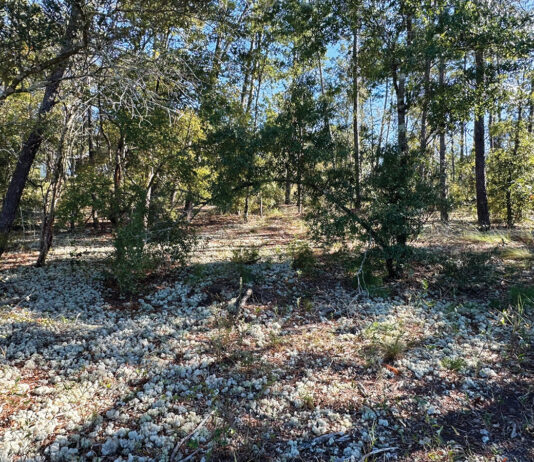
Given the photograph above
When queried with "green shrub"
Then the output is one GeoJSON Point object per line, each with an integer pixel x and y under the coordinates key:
{"type": "Point", "coordinates": [139, 250]}
{"type": "Point", "coordinates": [86, 191]}
{"type": "Point", "coordinates": [398, 200]}
{"type": "Point", "coordinates": [454, 364]}
{"type": "Point", "coordinates": [302, 257]}
{"type": "Point", "coordinates": [243, 256]}
{"type": "Point", "coordinates": [131, 261]}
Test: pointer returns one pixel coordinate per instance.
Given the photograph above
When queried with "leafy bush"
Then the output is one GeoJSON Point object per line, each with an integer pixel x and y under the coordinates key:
{"type": "Point", "coordinates": [87, 190]}
{"type": "Point", "coordinates": [246, 256]}
{"type": "Point", "coordinates": [510, 173]}
{"type": "Point", "coordinates": [400, 202]}
{"type": "Point", "coordinates": [454, 364]}
{"type": "Point", "coordinates": [302, 256]}
{"type": "Point", "coordinates": [131, 261]}
{"type": "Point", "coordinates": [171, 241]}
{"type": "Point", "coordinates": [396, 206]}
{"type": "Point", "coordinates": [139, 250]}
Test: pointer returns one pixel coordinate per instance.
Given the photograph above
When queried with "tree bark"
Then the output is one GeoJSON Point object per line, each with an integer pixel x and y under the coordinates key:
{"type": "Point", "coordinates": [442, 155]}
{"type": "Point", "coordinates": [148, 198]}
{"type": "Point", "coordinates": [188, 207]}
{"type": "Point", "coordinates": [356, 116]}
{"type": "Point", "coordinates": [531, 107]}
{"type": "Point", "coordinates": [117, 180]}
{"type": "Point", "coordinates": [480, 157]}
{"type": "Point", "coordinates": [424, 110]}
{"type": "Point", "coordinates": [462, 141]}
{"type": "Point", "coordinates": [33, 142]}
{"type": "Point", "coordinates": [47, 227]}
{"type": "Point", "coordinates": [399, 82]}
{"type": "Point", "coordinates": [299, 197]}
{"type": "Point", "coordinates": [453, 161]}
{"type": "Point", "coordinates": [90, 143]}
{"type": "Point", "coordinates": [323, 95]}
{"type": "Point", "coordinates": [245, 209]}
{"type": "Point", "coordinates": [383, 121]}
{"type": "Point", "coordinates": [287, 199]}
{"type": "Point", "coordinates": [491, 138]}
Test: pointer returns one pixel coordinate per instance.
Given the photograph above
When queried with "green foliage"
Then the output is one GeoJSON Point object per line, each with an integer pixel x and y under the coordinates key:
{"type": "Point", "coordinates": [469, 270]}
{"type": "Point", "coordinates": [170, 242]}
{"type": "Point", "coordinates": [139, 251]}
{"type": "Point", "coordinates": [87, 191]}
{"type": "Point", "coordinates": [515, 316]}
{"type": "Point", "coordinates": [511, 172]}
{"type": "Point", "coordinates": [131, 261]}
{"type": "Point", "coordinates": [386, 342]}
{"type": "Point", "coordinates": [454, 364]}
{"type": "Point", "coordinates": [246, 256]}
{"type": "Point", "coordinates": [462, 189]}
{"type": "Point", "coordinates": [398, 203]}
{"type": "Point", "coordinates": [522, 295]}
{"type": "Point", "coordinates": [302, 256]}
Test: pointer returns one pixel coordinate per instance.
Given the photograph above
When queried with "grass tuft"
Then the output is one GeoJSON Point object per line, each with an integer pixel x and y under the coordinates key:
{"type": "Point", "coordinates": [488, 237]}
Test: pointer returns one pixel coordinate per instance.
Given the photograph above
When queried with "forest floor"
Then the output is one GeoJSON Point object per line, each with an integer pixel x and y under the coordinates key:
{"type": "Point", "coordinates": [437, 366]}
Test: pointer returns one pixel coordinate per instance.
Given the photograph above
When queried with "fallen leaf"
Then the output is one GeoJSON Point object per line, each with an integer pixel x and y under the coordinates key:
{"type": "Point", "coordinates": [392, 369]}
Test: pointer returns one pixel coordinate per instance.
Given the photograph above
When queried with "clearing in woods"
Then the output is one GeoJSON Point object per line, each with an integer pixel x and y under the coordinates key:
{"type": "Point", "coordinates": [309, 366]}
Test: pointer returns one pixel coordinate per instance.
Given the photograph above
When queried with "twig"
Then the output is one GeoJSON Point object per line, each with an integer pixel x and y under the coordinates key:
{"type": "Point", "coordinates": [186, 438]}
{"type": "Point", "coordinates": [375, 452]}
{"type": "Point", "coordinates": [190, 456]}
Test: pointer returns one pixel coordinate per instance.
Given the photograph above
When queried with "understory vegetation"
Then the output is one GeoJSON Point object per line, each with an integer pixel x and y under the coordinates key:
{"type": "Point", "coordinates": [265, 346]}
{"type": "Point", "coordinates": [266, 230]}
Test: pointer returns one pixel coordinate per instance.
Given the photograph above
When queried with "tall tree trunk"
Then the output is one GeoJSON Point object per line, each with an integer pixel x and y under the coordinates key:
{"type": "Point", "coordinates": [490, 125]}
{"type": "Point", "coordinates": [188, 206]}
{"type": "Point", "coordinates": [245, 209]}
{"type": "Point", "coordinates": [531, 107]}
{"type": "Point", "coordinates": [442, 155]}
{"type": "Point", "coordinates": [383, 121]}
{"type": "Point", "coordinates": [356, 115]}
{"type": "Point", "coordinates": [246, 77]}
{"type": "Point", "coordinates": [148, 197]}
{"type": "Point", "coordinates": [424, 110]}
{"type": "Point", "coordinates": [400, 87]}
{"type": "Point", "coordinates": [462, 141]}
{"type": "Point", "coordinates": [117, 180]}
{"type": "Point", "coordinates": [90, 143]}
{"type": "Point", "coordinates": [323, 95]}
{"type": "Point", "coordinates": [453, 160]}
{"type": "Point", "coordinates": [33, 142]}
{"type": "Point", "coordinates": [480, 157]}
{"type": "Point", "coordinates": [399, 80]}
{"type": "Point", "coordinates": [299, 197]}
{"type": "Point", "coordinates": [287, 199]}
{"type": "Point", "coordinates": [47, 226]}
